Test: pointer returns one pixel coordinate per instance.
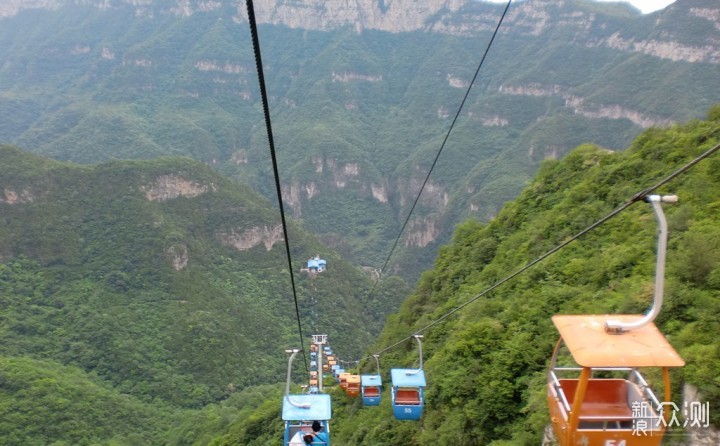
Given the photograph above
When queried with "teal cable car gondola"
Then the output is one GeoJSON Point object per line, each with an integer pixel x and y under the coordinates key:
{"type": "Point", "coordinates": [408, 390]}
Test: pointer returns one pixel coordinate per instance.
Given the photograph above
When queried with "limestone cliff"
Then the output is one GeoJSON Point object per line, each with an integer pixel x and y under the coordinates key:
{"type": "Point", "coordinates": [456, 17]}
{"type": "Point", "coordinates": [167, 187]}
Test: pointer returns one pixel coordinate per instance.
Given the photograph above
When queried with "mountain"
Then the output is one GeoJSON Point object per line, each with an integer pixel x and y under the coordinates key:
{"type": "Point", "coordinates": [163, 278]}
{"type": "Point", "coordinates": [362, 95]}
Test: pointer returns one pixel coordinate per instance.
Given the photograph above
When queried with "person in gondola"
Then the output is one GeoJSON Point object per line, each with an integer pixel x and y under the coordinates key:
{"type": "Point", "coordinates": [319, 437]}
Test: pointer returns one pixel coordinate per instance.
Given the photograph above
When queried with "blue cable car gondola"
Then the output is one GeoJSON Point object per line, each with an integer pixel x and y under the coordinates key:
{"type": "Point", "coordinates": [408, 391]}
{"type": "Point", "coordinates": [371, 389]}
{"type": "Point", "coordinates": [371, 386]}
{"type": "Point", "coordinates": [316, 265]}
{"type": "Point", "coordinates": [299, 411]}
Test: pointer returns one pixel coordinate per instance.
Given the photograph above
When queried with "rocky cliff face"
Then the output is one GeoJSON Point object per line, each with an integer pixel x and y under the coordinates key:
{"type": "Point", "coordinates": [388, 15]}
{"type": "Point", "coordinates": [578, 105]}
{"type": "Point", "coordinates": [456, 17]}
{"type": "Point", "coordinates": [167, 187]}
{"type": "Point", "coordinates": [12, 196]}
{"type": "Point", "coordinates": [385, 15]}
{"type": "Point", "coordinates": [243, 239]}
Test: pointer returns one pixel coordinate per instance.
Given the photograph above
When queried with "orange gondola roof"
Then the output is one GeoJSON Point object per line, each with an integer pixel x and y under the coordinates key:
{"type": "Point", "coordinates": [591, 346]}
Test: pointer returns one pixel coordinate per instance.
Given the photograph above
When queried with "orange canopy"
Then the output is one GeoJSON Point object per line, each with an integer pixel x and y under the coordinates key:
{"type": "Point", "coordinates": [591, 346]}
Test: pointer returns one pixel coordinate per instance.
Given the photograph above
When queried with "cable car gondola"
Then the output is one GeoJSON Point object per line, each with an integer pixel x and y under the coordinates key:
{"type": "Point", "coordinates": [606, 400]}
{"type": "Point", "coordinates": [371, 387]}
{"type": "Point", "coordinates": [343, 376]}
{"type": "Point", "coordinates": [300, 411]}
{"type": "Point", "coordinates": [352, 385]}
{"type": "Point", "coordinates": [408, 388]}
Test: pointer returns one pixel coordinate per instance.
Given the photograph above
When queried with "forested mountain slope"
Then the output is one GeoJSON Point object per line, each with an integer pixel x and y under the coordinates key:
{"type": "Point", "coordinates": [162, 279]}
{"type": "Point", "coordinates": [362, 94]}
{"type": "Point", "coordinates": [486, 364]}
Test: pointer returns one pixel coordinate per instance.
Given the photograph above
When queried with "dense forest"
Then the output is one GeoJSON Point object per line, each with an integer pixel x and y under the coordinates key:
{"type": "Point", "coordinates": [83, 344]}
{"type": "Point", "coordinates": [151, 287]}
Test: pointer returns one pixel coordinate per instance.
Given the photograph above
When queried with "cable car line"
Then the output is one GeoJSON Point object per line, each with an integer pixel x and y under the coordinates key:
{"type": "Point", "coordinates": [271, 142]}
{"type": "Point", "coordinates": [637, 197]}
{"type": "Point", "coordinates": [442, 146]}
{"type": "Point", "coordinates": [412, 408]}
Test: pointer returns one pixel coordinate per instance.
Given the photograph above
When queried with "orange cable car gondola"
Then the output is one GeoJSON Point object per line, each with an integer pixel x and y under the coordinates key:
{"type": "Point", "coordinates": [352, 383]}
{"type": "Point", "coordinates": [607, 401]}
{"type": "Point", "coordinates": [343, 380]}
